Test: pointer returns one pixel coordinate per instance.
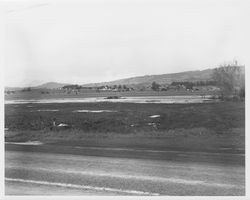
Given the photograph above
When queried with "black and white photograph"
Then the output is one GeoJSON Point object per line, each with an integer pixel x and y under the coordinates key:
{"type": "Point", "coordinates": [114, 98]}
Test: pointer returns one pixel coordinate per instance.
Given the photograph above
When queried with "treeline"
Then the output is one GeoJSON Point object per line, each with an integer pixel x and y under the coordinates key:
{"type": "Point", "coordinates": [190, 85]}
{"type": "Point", "coordinates": [103, 87]}
{"type": "Point", "coordinates": [72, 87]}
{"type": "Point", "coordinates": [115, 87]}
{"type": "Point", "coordinates": [181, 84]}
{"type": "Point", "coordinates": [28, 89]}
{"type": "Point", "coordinates": [230, 79]}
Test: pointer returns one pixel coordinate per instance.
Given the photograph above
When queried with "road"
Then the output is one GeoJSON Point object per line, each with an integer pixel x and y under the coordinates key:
{"type": "Point", "coordinates": [46, 169]}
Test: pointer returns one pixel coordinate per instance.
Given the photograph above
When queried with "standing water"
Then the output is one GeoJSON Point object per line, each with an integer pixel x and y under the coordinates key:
{"type": "Point", "coordinates": [145, 99]}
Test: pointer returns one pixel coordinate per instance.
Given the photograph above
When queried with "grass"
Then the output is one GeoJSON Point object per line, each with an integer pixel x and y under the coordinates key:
{"type": "Point", "coordinates": [196, 139]}
{"type": "Point", "coordinates": [182, 126]}
{"type": "Point", "coordinates": [128, 118]}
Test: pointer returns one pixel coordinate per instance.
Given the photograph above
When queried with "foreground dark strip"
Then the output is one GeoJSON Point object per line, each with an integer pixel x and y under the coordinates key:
{"type": "Point", "coordinates": [33, 172]}
{"type": "Point", "coordinates": [205, 157]}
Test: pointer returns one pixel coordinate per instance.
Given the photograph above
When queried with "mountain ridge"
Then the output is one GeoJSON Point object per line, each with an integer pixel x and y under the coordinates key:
{"type": "Point", "coordinates": [192, 76]}
{"type": "Point", "coordinates": [145, 80]}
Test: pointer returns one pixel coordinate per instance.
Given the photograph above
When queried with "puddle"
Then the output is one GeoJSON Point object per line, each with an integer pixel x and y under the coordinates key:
{"type": "Point", "coordinates": [154, 125]}
{"type": "Point", "coordinates": [94, 111]}
{"type": "Point", "coordinates": [154, 116]}
{"type": "Point", "coordinates": [63, 125]}
{"type": "Point", "coordinates": [26, 143]}
{"type": "Point", "coordinates": [44, 110]}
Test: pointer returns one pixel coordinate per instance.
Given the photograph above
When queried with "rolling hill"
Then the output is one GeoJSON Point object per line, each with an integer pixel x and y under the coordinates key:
{"type": "Point", "coordinates": [51, 85]}
{"type": "Point", "coordinates": [141, 81]}
{"type": "Point", "coordinates": [191, 76]}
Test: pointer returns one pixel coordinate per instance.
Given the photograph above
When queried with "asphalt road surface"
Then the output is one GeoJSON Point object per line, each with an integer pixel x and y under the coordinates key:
{"type": "Point", "coordinates": [46, 169]}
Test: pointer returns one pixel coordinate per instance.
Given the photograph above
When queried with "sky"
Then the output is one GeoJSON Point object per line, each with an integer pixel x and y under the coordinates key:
{"type": "Point", "coordinates": [103, 40]}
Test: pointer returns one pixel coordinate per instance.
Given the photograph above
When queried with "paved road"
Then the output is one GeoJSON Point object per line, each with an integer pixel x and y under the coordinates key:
{"type": "Point", "coordinates": [79, 170]}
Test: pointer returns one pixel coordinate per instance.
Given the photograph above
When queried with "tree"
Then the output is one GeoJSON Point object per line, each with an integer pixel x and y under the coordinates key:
{"type": "Point", "coordinates": [28, 89]}
{"type": "Point", "coordinates": [155, 86]}
{"type": "Point", "coordinates": [189, 85]}
{"type": "Point", "coordinates": [228, 78]}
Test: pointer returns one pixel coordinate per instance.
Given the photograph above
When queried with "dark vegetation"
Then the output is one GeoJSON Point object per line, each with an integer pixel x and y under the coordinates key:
{"type": "Point", "coordinates": [120, 88]}
{"type": "Point", "coordinates": [184, 85]}
{"type": "Point", "coordinates": [113, 97]}
{"type": "Point", "coordinates": [186, 126]}
{"type": "Point", "coordinates": [155, 86]}
{"type": "Point", "coordinates": [28, 89]}
{"type": "Point", "coordinates": [231, 80]}
{"type": "Point", "coordinates": [190, 85]}
{"type": "Point", "coordinates": [197, 83]}
{"type": "Point", "coordinates": [128, 118]}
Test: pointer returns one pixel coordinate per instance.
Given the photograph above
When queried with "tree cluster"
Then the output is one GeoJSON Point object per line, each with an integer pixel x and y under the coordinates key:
{"type": "Point", "coordinates": [72, 87]}
{"type": "Point", "coordinates": [155, 86]}
{"type": "Point", "coordinates": [230, 79]}
{"type": "Point", "coordinates": [28, 89]}
{"type": "Point", "coordinates": [115, 87]}
{"type": "Point", "coordinates": [189, 85]}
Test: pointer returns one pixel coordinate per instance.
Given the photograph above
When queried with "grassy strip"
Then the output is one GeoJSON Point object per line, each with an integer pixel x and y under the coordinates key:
{"type": "Point", "coordinates": [128, 118]}
{"type": "Point", "coordinates": [195, 139]}
{"type": "Point", "coordinates": [180, 126]}
{"type": "Point", "coordinates": [37, 94]}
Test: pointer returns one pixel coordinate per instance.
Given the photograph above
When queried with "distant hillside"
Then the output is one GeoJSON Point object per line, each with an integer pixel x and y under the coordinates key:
{"type": "Point", "coordinates": [12, 88]}
{"type": "Point", "coordinates": [140, 81]}
{"type": "Point", "coordinates": [161, 79]}
{"type": "Point", "coordinates": [51, 85]}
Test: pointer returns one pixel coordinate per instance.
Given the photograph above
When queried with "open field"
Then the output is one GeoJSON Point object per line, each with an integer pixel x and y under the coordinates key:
{"type": "Point", "coordinates": [50, 94]}
{"type": "Point", "coordinates": [185, 126]}
{"type": "Point", "coordinates": [125, 117]}
{"type": "Point", "coordinates": [125, 149]}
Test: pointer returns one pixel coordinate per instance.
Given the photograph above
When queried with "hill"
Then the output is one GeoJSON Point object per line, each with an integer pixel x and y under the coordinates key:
{"type": "Point", "coordinates": [191, 76]}
{"type": "Point", "coordinates": [51, 85]}
{"type": "Point", "coordinates": [139, 81]}
{"type": "Point", "coordinates": [12, 88]}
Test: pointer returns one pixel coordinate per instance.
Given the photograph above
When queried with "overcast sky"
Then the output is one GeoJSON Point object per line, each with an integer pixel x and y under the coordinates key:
{"type": "Point", "coordinates": [95, 41]}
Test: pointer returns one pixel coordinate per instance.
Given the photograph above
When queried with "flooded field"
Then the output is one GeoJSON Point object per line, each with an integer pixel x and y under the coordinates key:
{"type": "Point", "coordinates": [107, 118]}
{"type": "Point", "coordinates": [141, 99]}
{"type": "Point", "coordinates": [94, 111]}
{"type": "Point", "coordinates": [45, 110]}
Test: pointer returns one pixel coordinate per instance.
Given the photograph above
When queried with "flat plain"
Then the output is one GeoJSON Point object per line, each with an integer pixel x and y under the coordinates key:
{"type": "Point", "coordinates": [125, 149]}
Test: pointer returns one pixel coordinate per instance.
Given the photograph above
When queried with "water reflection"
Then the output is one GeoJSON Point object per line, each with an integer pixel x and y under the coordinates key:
{"type": "Point", "coordinates": [145, 99]}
